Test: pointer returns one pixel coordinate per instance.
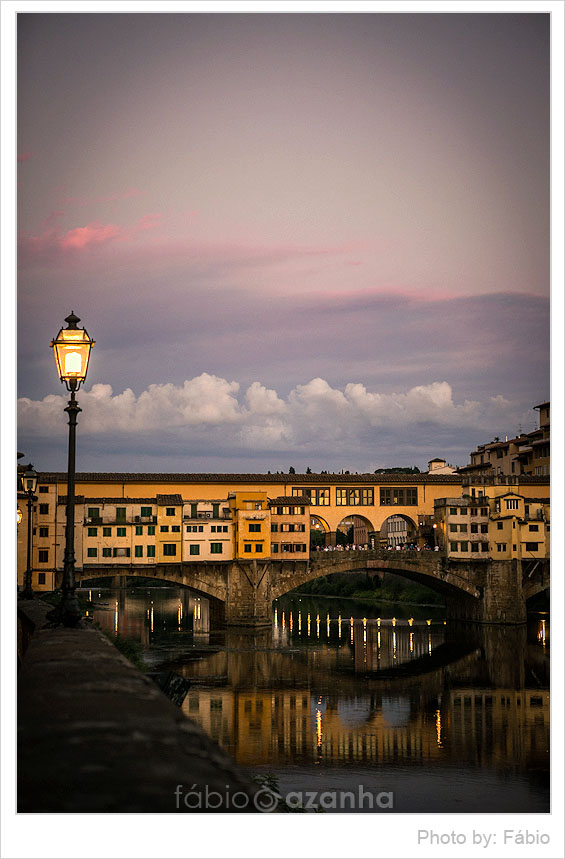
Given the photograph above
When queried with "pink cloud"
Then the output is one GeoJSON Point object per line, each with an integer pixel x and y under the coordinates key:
{"type": "Point", "coordinates": [149, 221]}
{"type": "Point", "coordinates": [24, 156]}
{"type": "Point", "coordinates": [92, 234]}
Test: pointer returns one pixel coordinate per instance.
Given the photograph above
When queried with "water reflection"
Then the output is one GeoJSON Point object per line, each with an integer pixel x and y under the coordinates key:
{"type": "Point", "coordinates": [331, 686]}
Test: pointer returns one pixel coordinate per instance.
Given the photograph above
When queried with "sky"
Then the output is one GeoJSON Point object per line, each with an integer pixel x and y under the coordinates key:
{"type": "Point", "coordinates": [307, 240]}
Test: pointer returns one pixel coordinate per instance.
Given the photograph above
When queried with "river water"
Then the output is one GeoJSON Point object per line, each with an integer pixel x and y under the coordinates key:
{"type": "Point", "coordinates": [387, 703]}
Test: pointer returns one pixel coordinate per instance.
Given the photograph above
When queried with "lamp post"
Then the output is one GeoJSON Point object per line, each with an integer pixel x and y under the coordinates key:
{"type": "Point", "coordinates": [29, 485]}
{"type": "Point", "coordinates": [72, 350]}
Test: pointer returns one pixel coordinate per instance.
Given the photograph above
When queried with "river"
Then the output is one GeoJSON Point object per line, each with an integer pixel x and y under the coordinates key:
{"type": "Point", "coordinates": [386, 702]}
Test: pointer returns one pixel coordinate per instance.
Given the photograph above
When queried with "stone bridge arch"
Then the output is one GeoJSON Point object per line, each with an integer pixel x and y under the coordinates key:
{"type": "Point", "coordinates": [424, 568]}
{"type": "Point", "coordinates": [208, 580]}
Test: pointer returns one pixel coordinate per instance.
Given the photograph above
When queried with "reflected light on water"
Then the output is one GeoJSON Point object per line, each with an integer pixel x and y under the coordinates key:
{"type": "Point", "coordinates": [438, 729]}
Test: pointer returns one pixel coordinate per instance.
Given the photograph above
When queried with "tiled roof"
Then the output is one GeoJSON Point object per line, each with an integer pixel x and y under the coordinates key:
{"type": "Point", "coordinates": [168, 500]}
{"type": "Point", "coordinates": [300, 500]}
{"type": "Point", "coordinates": [234, 479]}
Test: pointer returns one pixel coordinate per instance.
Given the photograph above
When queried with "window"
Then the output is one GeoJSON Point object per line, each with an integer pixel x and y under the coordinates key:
{"type": "Point", "coordinates": [484, 529]}
{"type": "Point", "coordinates": [484, 547]}
{"type": "Point", "coordinates": [194, 549]}
{"type": "Point", "coordinates": [44, 532]}
{"type": "Point", "coordinates": [138, 552]}
{"type": "Point", "coordinates": [41, 578]}
{"type": "Point", "coordinates": [500, 526]}
{"type": "Point", "coordinates": [274, 526]}
{"type": "Point", "coordinates": [464, 546]}
{"type": "Point", "coordinates": [225, 529]}
{"type": "Point", "coordinates": [404, 497]}
{"type": "Point", "coordinates": [532, 547]}
{"type": "Point", "coordinates": [463, 529]}
{"type": "Point", "coordinates": [354, 497]}
{"type": "Point", "coordinates": [146, 511]}
{"type": "Point", "coordinates": [120, 514]}
{"type": "Point", "coordinates": [151, 530]}
{"type": "Point", "coordinates": [453, 511]}
{"type": "Point", "coordinates": [474, 528]}
{"type": "Point", "coordinates": [44, 489]}
{"type": "Point", "coordinates": [247, 547]}
{"type": "Point", "coordinates": [258, 547]}
{"type": "Point", "coordinates": [215, 510]}
{"type": "Point", "coordinates": [93, 532]}
{"type": "Point", "coordinates": [255, 526]}
{"type": "Point", "coordinates": [92, 553]}
{"type": "Point", "coordinates": [453, 528]}
{"type": "Point", "coordinates": [106, 532]}
{"type": "Point", "coordinates": [93, 513]}
{"type": "Point", "coordinates": [175, 528]}
{"type": "Point", "coordinates": [43, 556]}
{"type": "Point", "coordinates": [484, 511]}
{"type": "Point", "coordinates": [151, 551]}
{"type": "Point", "coordinates": [193, 511]}
{"type": "Point", "coordinates": [474, 547]}
{"type": "Point", "coordinates": [473, 511]}
{"type": "Point", "coordinates": [44, 509]}
{"type": "Point", "coordinates": [213, 529]}
{"type": "Point", "coordinates": [138, 530]}
{"type": "Point", "coordinates": [122, 552]}
{"type": "Point", "coordinates": [318, 496]}
{"type": "Point", "coordinates": [216, 548]}
{"type": "Point", "coordinates": [170, 511]}
{"type": "Point", "coordinates": [453, 547]}
{"type": "Point", "coordinates": [511, 503]}
{"type": "Point", "coordinates": [169, 549]}
{"type": "Point", "coordinates": [164, 529]}
{"type": "Point", "coordinates": [463, 511]}
{"type": "Point", "coordinates": [274, 548]}
{"type": "Point", "coordinates": [120, 532]}
{"type": "Point", "coordinates": [501, 547]}
{"type": "Point", "coordinates": [106, 553]}
{"type": "Point", "coordinates": [530, 528]}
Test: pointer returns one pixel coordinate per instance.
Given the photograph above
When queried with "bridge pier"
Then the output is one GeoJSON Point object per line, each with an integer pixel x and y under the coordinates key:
{"type": "Point", "coordinates": [502, 599]}
{"type": "Point", "coordinates": [249, 597]}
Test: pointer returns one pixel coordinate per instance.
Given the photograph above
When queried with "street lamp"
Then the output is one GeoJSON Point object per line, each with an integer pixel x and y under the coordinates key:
{"type": "Point", "coordinates": [28, 484]}
{"type": "Point", "coordinates": [72, 350]}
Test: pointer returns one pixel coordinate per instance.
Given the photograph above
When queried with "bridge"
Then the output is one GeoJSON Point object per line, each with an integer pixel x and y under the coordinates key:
{"type": "Point", "coordinates": [484, 591]}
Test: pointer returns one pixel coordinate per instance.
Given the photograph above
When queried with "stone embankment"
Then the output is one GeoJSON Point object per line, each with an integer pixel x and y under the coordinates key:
{"type": "Point", "coordinates": [97, 735]}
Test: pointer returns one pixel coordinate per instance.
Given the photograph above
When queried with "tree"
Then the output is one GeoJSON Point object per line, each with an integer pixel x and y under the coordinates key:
{"type": "Point", "coordinates": [308, 470]}
{"type": "Point", "coordinates": [291, 470]}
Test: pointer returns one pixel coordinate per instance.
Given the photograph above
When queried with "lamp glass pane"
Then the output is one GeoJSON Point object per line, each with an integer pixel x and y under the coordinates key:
{"type": "Point", "coordinates": [72, 350]}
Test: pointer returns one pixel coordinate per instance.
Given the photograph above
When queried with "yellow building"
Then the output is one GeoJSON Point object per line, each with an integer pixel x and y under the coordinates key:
{"type": "Point", "coordinates": [251, 524]}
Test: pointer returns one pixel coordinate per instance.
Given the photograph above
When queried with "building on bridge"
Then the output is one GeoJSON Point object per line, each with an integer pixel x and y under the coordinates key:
{"type": "Point", "coordinates": [506, 526]}
{"type": "Point", "coordinates": [138, 521]}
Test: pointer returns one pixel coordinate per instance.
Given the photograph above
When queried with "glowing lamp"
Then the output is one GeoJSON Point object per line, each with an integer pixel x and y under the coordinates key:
{"type": "Point", "coordinates": [19, 516]}
{"type": "Point", "coordinates": [29, 480]}
{"type": "Point", "coordinates": [72, 351]}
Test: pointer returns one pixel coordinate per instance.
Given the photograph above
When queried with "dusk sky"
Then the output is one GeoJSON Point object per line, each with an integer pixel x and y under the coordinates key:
{"type": "Point", "coordinates": [297, 239]}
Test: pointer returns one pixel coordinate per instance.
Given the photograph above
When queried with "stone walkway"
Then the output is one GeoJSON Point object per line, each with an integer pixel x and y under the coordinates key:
{"type": "Point", "coordinates": [96, 735]}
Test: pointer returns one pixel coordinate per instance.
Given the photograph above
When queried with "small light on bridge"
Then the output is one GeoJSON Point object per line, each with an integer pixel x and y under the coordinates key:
{"type": "Point", "coordinates": [394, 621]}
{"type": "Point", "coordinates": [378, 621]}
{"type": "Point", "coordinates": [429, 622]}
{"type": "Point", "coordinates": [410, 621]}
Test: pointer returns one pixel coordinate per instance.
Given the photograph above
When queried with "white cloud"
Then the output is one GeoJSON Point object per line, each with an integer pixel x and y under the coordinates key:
{"type": "Point", "coordinates": [313, 416]}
